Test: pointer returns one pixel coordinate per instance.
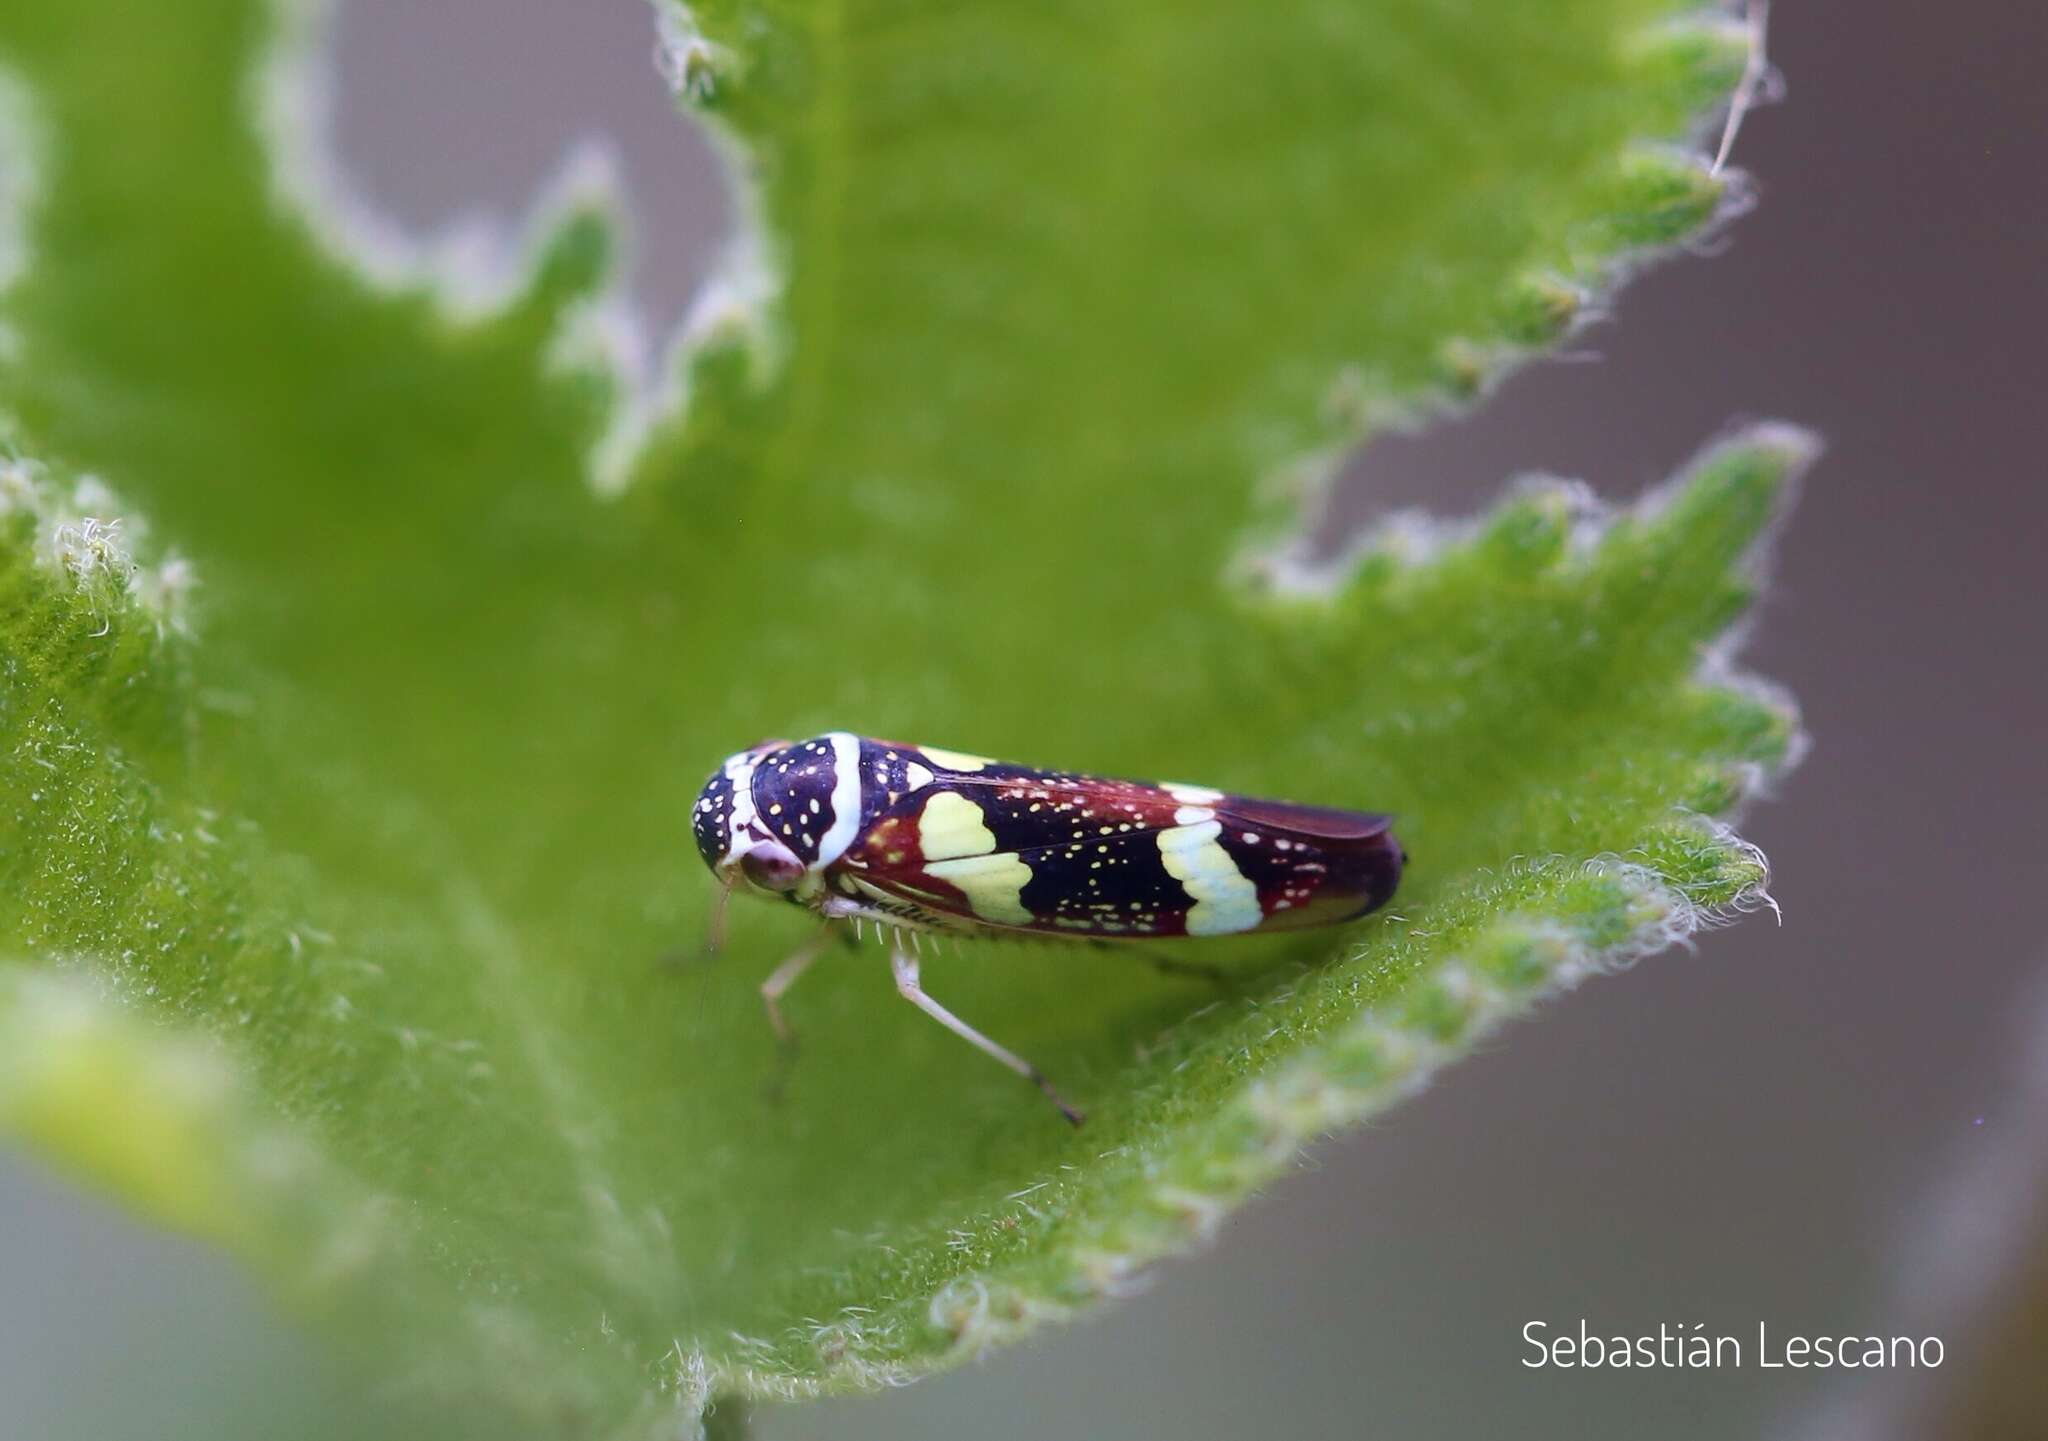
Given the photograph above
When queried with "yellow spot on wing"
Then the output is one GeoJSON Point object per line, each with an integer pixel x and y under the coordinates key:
{"type": "Point", "coordinates": [954, 760]}
{"type": "Point", "coordinates": [993, 884]}
{"type": "Point", "coordinates": [951, 825]}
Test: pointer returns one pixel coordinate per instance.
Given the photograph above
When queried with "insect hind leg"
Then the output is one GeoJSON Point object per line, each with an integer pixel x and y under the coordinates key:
{"type": "Point", "coordinates": [905, 965]}
{"type": "Point", "coordinates": [1171, 965]}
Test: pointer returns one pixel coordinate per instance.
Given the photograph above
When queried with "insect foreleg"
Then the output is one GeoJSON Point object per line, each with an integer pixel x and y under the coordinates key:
{"type": "Point", "coordinates": [906, 968]}
{"type": "Point", "coordinates": [714, 927]}
{"type": "Point", "coordinates": [784, 976]}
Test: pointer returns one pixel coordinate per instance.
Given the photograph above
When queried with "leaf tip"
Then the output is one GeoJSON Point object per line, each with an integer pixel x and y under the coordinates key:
{"type": "Point", "coordinates": [697, 68]}
{"type": "Point", "coordinates": [574, 233]}
{"type": "Point", "coordinates": [1722, 510]}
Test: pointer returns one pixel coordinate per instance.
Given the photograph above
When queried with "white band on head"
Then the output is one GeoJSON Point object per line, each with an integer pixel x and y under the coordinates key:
{"type": "Point", "coordinates": [845, 799]}
{"type": "Point", "coordinates": [739, 770]}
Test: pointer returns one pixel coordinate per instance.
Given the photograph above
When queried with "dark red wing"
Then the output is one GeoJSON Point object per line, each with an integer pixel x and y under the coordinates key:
{"type": "Point", "coordinates": [1319, 822]}
{"type": "Point", "coordinates": [1019, 849]}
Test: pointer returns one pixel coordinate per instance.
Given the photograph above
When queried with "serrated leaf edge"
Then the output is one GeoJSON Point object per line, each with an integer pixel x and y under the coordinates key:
{"type": "Point", "coordinates": [1366, 1066]}
{"type": "Point", "coordinates": [479, 274]}
{"type": "Point", "coordinates": [480, 267]}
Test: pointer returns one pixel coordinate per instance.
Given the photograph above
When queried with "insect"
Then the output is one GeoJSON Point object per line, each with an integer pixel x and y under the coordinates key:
{"type": "Point", "coordinates": [917, 839]}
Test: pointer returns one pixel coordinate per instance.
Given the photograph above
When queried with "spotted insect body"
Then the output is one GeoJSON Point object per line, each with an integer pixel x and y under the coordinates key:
{"type": "Point", "coordinates": [915, 838]}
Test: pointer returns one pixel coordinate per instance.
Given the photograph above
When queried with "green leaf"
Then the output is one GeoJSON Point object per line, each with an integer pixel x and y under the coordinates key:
{"type": "Point", "coordinates": [349, 801]}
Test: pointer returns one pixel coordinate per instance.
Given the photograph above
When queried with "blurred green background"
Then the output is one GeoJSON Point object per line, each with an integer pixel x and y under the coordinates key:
{"type": "Point", "coordinates": [1823, 1126]}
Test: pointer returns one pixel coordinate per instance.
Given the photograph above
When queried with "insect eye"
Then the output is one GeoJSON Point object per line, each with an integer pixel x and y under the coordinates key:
{"type": "Point", "coordinates": [772, 868]}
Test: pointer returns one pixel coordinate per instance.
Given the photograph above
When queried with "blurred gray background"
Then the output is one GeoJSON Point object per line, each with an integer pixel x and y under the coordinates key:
{"type": "Point", "coordinates": [1830, 1125]}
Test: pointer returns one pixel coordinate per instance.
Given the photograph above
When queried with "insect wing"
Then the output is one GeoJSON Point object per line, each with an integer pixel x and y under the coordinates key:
{"type": "Point", "coordinates": [1312, 865]}
{"type": "Point", "coordinates": [1088, 856]}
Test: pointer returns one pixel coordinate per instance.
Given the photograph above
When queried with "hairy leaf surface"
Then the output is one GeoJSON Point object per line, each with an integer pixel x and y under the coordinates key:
{"type": "Point", "coordinates": [348, 775]}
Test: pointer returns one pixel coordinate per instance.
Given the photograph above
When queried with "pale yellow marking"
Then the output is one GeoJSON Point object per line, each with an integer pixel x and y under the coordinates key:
{"type": "Point", "coordinates": [1193, 815]}
{"type": "Point", "coordinates": [918, 776]}
{"type": "Point", "coordinates": [1224, 901]}
{"type": "Point", "coordinates": [993, 884]}
{"type": "Point", "coordinates": [951, 825]}
{"type": "Point", "coordinates": [955, 760]}
{"type": "Point", "coordinates": [1193, 795]}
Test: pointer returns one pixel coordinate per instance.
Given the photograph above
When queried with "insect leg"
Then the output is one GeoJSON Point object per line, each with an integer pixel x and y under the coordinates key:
{"type": "Point", "coordinates": [1170, 965]}
{"type": "Point", "coordinates": [681, 958]}
{"type": "Point", "coordinates": [905, 966]}
{"type": "Point", "coordinates": [714, 928]}
{"type": "Point", "coordinates": [1198, 970]}
{"type": "Point", "coordinates": [784, 976]}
